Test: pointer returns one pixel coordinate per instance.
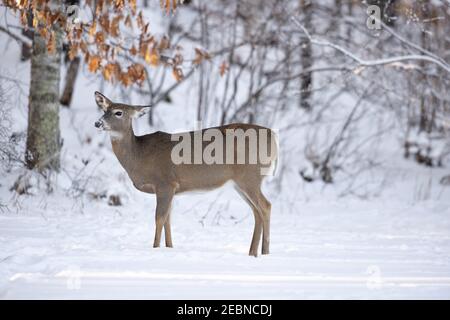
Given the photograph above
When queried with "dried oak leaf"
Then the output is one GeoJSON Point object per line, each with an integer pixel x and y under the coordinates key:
{"type": "Point", "coordinates": [94, 63]}
{"type": "Point", "coordinates": [177, 73]}
{"type": "Point", "coordinates": [51, 44]}
{"type": "Point", "coordinates": [223, 68]}
{"type": "Point", "coordinates": [73, 51]}
{"type": "Point", "coordinates": [200, 55]}
{"type": "Point", "coordinates": [152, 57]}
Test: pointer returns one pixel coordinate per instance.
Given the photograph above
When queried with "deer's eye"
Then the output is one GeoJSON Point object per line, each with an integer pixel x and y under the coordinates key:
{"type": "Point", "coordinates": [118, 114]}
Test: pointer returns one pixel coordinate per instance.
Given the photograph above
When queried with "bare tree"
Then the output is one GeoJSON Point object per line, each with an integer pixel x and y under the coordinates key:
{"type": "Point", "coordinates": [43, 137]}
{"type": "Point", "coordinates": [71, 77]}
{"type": "Point", "coordinates": [306, 11]}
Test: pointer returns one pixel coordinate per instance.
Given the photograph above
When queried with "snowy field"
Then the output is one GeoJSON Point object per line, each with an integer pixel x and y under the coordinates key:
{"type": "Point", "coordinates": [345, 249]}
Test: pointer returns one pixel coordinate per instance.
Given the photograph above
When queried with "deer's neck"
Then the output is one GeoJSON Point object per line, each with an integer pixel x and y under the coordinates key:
{"type": "Point", "coordinates": [124, 144]}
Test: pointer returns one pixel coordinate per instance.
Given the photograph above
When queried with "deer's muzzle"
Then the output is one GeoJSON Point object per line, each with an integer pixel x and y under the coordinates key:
{"type": "Point", "coordinates": [98, 124]}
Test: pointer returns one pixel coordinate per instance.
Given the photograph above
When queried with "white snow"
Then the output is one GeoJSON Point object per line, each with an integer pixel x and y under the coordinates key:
{"type": "Point", "coordinates": [343, 249]}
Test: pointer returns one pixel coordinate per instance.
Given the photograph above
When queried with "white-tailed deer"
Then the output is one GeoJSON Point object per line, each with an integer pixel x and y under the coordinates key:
{"type": "Point", "coordinates": [149, 162]}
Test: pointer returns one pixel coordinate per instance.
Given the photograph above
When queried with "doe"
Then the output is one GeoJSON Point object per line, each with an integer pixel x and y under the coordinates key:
{"type": "Point", "coordinates": [148, 161]}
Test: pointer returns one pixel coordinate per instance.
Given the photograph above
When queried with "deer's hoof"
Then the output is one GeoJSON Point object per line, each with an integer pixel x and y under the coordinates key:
{"type": "Point", "coordinates": [253, 254]}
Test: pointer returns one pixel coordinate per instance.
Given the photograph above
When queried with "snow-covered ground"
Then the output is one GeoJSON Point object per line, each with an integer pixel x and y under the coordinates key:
{"type": "Point", "coordinates": [345, 249]}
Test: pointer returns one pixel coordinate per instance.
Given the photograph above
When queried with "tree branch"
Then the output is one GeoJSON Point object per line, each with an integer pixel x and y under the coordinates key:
{"type": "Point", "coordinates": [376, 62]}
{"type": "Point", "coordinates": [16, 37]}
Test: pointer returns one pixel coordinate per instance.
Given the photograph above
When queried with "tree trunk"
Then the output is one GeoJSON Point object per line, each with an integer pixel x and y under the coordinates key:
{"type": "Point", "coordinates": [349, 26]}
{"type": "Point", "coordinates": [71, 78]}
{"type": "Point", "coordinates": [306, 57]}
{"type": "Point", "coordinates": [424, 101]}
{"type": "Point", "coordinates": [334, 26]}
{"type": "Point", "coordinates": [43, 137]}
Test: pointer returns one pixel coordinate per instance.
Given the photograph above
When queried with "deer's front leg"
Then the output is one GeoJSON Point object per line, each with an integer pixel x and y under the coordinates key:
{"type": "Point", "coordinates": [163, 204]}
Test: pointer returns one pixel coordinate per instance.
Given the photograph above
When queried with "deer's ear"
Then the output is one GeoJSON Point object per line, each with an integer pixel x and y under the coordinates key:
{"type": "Point", "coordinates": [139, 111]}
{"type": "Point", "coordinates": [103, 102]}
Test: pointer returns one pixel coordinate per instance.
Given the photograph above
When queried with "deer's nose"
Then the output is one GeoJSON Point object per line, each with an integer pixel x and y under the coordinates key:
{"type": "Point", "coordinates": [98, 124]}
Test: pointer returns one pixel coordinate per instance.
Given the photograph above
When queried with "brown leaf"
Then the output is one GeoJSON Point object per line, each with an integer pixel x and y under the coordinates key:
{"type": "Point", "coordinates": [43, 32]}
{"type": "Point", "coordinates": [73, 51]}
{"type": "Point", "coordinates": [152, 57]}
{"type": "Point", "coordinates": [167, 7]}
{"type": "Point", "coordinates": [99, 38]}
{"type": "Point", "coordinates": [51, 44]}
{"type": "Point", "coordinates": [111, 71]}
{"type": "Point", "coordinates": [39, 16]}
{"type": "Point", "coordinates": [140, 20]}
{"type": "Point", "coordinates": [99, 7]}
{"type": "Point", "coordinates": [164, 43]}
{"type": "Point", "coordinates": [223, 68]}
{"type": "Point", "coordinates": [24, 19]}
{"type": "Point", "coordinates": [113, 53]}
{"type": "Point", "coordinates": [145, 29]}
{"type": "Point", "coordinates": [177, 73]}
{"type": "Point", "coordinates": [115, 26]}
{"type": "Point", "coordinates": [125, 79]}
{"type": "Point", "coordinates": [128, 22]}
{"type": "Point", "coordinates": [133, 50]}
{"type": "Point", "coordinates": [133, 6]}
{"type": "Point", "coordinates": [178, 59]}
{"type": "Point", "coordinates": [94, 63]}
{"type": "Point", "coordinates": [200, 55]}
{"type": "Point", "coordinates": [104, 22]}
{"type": "Point", "coordinates": [92, 29]}
{"type": "Point", "coordinates": [83, 46]}
{"type": "Point", "coordinates": [107, 73]}
{"type": "Point", "coordinates": [55, 17]}
{"type": "Point", "coordinates": [35, 21]}
{"type": "Point", "coordinates": [77, 32]}
{"type": "Point", "coordinates": [119, 4]}
{"type": "Point", "coordinates": [136, 72]}
{"type": "Point", "coordinates": [105, 48]}
{"type": "Point", "coordinates": [117, 70]}
{"type": "Point", "coordinates": [87, 56]}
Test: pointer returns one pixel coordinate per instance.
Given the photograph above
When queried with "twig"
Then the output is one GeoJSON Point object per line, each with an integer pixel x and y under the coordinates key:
{"type": "Point", "coordinates": [16, 37]}
{"type": "Point", "coordinates": [376, 62]}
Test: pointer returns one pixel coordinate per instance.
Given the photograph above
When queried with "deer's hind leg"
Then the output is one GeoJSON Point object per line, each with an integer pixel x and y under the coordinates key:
{"type": "Point", "coordinates": [258, 222]}
{"type": "Point", "coordinates": [168, 232]}
{"type": "Point", "coordinates": [251, 189]}
{"type": "Point", "coordinates": [266, 208]}
{"type": "Point", "coordinates": [250, 198]}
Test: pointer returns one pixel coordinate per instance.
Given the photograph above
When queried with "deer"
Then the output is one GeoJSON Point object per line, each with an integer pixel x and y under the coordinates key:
{"type": "Point", "coordinates": [148, 161]}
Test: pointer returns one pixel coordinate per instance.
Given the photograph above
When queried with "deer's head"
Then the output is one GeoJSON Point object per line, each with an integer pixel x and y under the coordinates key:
{"type": "Point", "coordinates": [117, 116]}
